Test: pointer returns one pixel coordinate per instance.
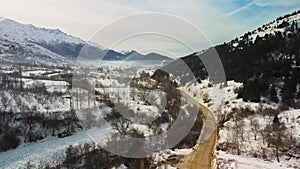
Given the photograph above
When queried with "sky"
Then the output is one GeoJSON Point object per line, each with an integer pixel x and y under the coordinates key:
{"type": "Point", "coordinates": [217, 20]}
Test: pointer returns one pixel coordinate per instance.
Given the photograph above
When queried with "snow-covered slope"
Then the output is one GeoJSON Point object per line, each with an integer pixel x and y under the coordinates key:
{"type": "Point", "coordinates": [25, 33]}
{"type": "Point", "coordinates": [25, 43]}
{"type": "Point", "coordinates": [29, 44]}
{"type": "Point", "coordinates": [281, 24]}
{"type": "Point", "coordinates": [29, 53]}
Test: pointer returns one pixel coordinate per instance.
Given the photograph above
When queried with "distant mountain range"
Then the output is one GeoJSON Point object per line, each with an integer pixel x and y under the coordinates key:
{"type": "Point", "coordinates": [26, 43]}
{"type": "Point", "coordinates": [266, 61]}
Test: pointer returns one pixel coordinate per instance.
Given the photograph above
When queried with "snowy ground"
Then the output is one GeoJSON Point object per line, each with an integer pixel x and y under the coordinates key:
{"type": "Point", "coordinates": [43, 152]}
{"type": "Point", "coordinates": [210, 95]}
{"type": "Point", "coordinates": [228, 161]}
{"type": "Point", "coordinates": [52, 150]}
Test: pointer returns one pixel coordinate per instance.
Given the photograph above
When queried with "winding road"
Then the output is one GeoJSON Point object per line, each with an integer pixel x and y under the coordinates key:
{"type": "Point", "coordinates": [203, 155]}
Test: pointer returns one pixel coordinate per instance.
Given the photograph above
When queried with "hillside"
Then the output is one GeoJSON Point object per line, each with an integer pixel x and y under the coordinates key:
{"type": "Point", "coordinates": [266, 61]}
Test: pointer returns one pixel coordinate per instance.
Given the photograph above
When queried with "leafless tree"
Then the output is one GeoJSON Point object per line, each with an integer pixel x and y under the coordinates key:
{"type": "Point", "coordinates": [121, 125]}
{"type": "Point", "coordinates": [280, 139]}
{"type": "Point", "coordinates": [238, 132]}
{"type": "Point", "coordinates": [6, 101]}
{"type": "Point", "coordinates": [143, 94]}
{"type": "Point", "coordinates": [255, 127]}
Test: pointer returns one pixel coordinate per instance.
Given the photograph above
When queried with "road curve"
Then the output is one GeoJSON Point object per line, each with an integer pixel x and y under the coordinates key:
{"type": "Point", "coordinates": [203, 155]}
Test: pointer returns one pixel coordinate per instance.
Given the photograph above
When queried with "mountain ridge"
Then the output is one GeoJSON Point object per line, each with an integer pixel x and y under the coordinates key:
{"type": "Point", "coordinates": [50, 45]}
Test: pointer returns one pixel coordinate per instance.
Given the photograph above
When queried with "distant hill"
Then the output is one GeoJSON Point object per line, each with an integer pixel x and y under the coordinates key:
{"type": "Point", "coordinates": [151, 56]}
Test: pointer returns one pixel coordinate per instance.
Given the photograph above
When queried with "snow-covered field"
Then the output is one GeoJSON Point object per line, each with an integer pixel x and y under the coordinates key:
{"type": "Point", "coordinates": [48, 151]}
{"type": "Point", "coordinates": [229, 161]}
{"type": "Point", "coordinates": [113, 82]}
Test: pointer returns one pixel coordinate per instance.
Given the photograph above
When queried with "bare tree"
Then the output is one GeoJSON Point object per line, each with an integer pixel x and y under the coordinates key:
{"type": "Point", "coordinates": [143, 94]}
{"type": "Point", "coordinates": [121, 125]}
{"type": "Point", "coordinates": [90, 119]}
{"type": "Point", "coordinates": [238, 132]}
{"type": "Point", "coordinates": [6, 101]}
{"type": "Point", "coordinates": [133, 93]}
{"type": "Point", "coordinates": [20, 77]}
{"type": "Point", "coordinates": [54, 122]}
{"type": "Point", "coordinates": [280, 139]}
{"type": "Point", "coordinates": [255, 127]}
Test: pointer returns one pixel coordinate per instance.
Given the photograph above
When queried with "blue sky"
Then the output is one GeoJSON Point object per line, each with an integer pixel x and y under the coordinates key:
{"type": "Point", "coordinates": [259, 11]}
{"type": "Point", "coordinates": [219, 20]}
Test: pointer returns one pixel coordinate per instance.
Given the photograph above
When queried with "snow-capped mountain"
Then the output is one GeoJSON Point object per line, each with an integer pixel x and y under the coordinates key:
{"type": "Point", "coordinates": [25, 33]}
{"type": "Point", "coordinates": [28, 43]}
{"type": "Point", "coordinates": [29, 53]}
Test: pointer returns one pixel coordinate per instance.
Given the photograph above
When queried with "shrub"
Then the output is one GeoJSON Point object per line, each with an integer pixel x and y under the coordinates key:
{"type": "Point", "coordinates": [9, 141]}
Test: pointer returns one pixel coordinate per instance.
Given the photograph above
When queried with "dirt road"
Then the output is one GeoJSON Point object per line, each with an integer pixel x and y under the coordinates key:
{"type": "Point", "coordinates": [203, 155]}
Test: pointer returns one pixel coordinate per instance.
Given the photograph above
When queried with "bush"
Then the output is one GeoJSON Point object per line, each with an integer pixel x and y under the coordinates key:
{"type": "Point", "coordinates": [9, 141]}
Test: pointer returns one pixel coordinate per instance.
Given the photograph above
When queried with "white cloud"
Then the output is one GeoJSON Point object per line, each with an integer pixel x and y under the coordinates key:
{"type": "Point", "coordinates": [240, 9]}
{"type": "Point", "coordinates": [280, 3]}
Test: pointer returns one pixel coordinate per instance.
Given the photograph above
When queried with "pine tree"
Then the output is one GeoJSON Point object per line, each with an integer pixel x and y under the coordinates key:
{"type": "Point", "coordinates": [273, 95]}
